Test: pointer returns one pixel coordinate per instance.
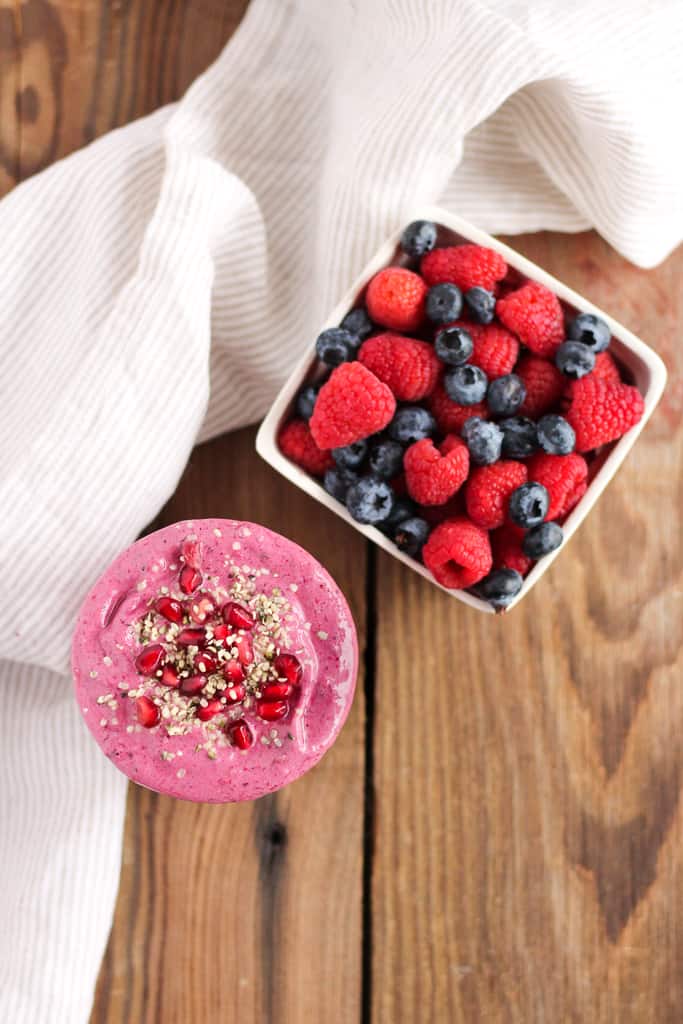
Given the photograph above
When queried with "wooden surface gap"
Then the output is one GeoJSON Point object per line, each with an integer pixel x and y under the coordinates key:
{"type": "Point", "coordinates": [370, 659]}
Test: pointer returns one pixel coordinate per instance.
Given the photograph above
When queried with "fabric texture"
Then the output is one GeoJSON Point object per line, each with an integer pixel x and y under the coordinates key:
{"type": "Point", "coordinates": [158, 285]}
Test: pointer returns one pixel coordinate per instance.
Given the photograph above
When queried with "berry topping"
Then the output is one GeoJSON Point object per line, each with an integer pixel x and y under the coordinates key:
{"type": "Point", "coordinates": [200, 608]}
{"type": "Point", "coordinates": [192, 685]}
{"type": "Point", "coordinates": [528, 505]}
{"type": "Point", "coordinates": [149, 659]}
{"type": "Point", "coordinates": [505, 395]}
{"type": "Point", "coordinates": [191, 552]}
{"type": "Point", "coordinates": [235, 693]}
{"type": "Point", "coordinates": [542, 539]}
{"type": "Point", "coordinates": [543, 382]}
{"type": "Point", "coordinates": [233, 671]}
{"type": "Point", "coordinates": [565, 477]}
{"type": "Point", "coordinates": [534, 313]}
{"type": "Point", "coordinates": [170, 609]}
{"type": "Point", "coordinates": [220, 632]}
{"type": "Point", "coordinates": [206, 662]}
{"type": "Point", "coordinates": [336, 346]}
{"type": "Point", "coordinates": [488, 492]}
{"type": "Point", "coordinates": [411, 534]}
{"type": "Point", "coordinates": [574, 359]}
{"type": "Point", "coordinates": [240, 735]}
{"type": "Point", "coordinates": [601, 411]}
{"type": "Point", "coordinates": [351, 405]}
{"type": "Point", "coordinates": [358, 323]}
{"type": "Point", "coordinates": [457, 553]}
{"type": "Point", "coordinates": [500, 587]}
{"type": "Point", "coordinates": [432, 477]}
{"type": "Point", "coordinates": [484, 440]}
{"type": "Point", "coordinates": [481, 304]}
{"type": "Point", "coordinates": [407, 366]}
{"type": "Point", "coordinates": [207, 711]}
{"type": "Point", "coordinates": [272, 710]}
{"type": "Point", "coordinates": [590, 330]}
{"type": "Point", "coordinates": [276, 691]}
{"type": "Point", "coordinates": [444, 303]}
{"type": "Point", "coordinates": [555, 435]}
{"type": "Point", "coordinates": [468, 266]}
{"type": "Point", "coordinates": [147, 713]}
{"type": "Point", "coordinates": [411, 423]}
{"type": "Point", "coordinates": [370, 500]}
{"type": "Point", "coordinates": [169, 675]}
{"type": "Point", "coordinates": [465, 385]}
{"type": "Point", "coordinates": [192, 636]}
{"type": "Point", "coordinates": [245, 649]}
{"type": "Point", "coordinates": [396, 299]}
{"type": "Point", "coordinates": [453, 345]}
{"type": "Point", "coordinates": [519, 437]}
{"type": "Point", "coordinates": [418, 238]}
{"type": "Point", "coordinates": [297, 443]}
{"type": "Point", "coordinates": [386, 459]}
{"type": "Point", "coordinates": [189, 579]}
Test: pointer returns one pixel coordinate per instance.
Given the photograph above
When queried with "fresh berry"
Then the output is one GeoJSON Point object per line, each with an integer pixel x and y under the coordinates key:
{"type": "Point", "coordinates": [481, 304]}
{"type": "Point", "coordinates": [411, 423]}
{"type": "Point", "coordinates": [409, 367]}
{"type": "Point", "coordinates": [574, 359]}
{"type": "Point", "coordinates": [190, 686]}
{"type": "Point", "coordinates": [534, 313]}
{"type": "Point", "coordinates": [418, 238]}
{"type": "Point", "coordinates": [240, 735]}
{"type": "Point", "coordinates": [337, 482]}
{"type": "Point", "coordinates": [505, 395]}
{"type": "Point", "coordinates": [235, 693]}
{"type": "Point", "coordinates": [370, 500]}
{"type": "Point", "coordinates": [528, 505]}
{"type": "Point", "coordinates": [500, 587]}
{"type": "Point", "coordinates": [453, 345]}
{"type": "Point", "coordinates": [457, 553]}
{"type": "Point", "coordinates": [396, 299]}
{"type": "Point", "coordinates": [468, 266]}
{"type": "Point", "coordinates": [351, 405]}
{"type": "Point", "coordinates": [484, 440]}
{"type": "Point", "coordinates": [543, 382]}
{"type": "Point", "coordinates": [297, 444]}
{"type": "Point", "coordinates": [169, 675]}
{"type": "Point", "coordinates": [200, 608]}
{"type": "Point", "coordinates": [191, 636]}
{"type": "Point", "coordinates": [170, 609]}
{"type": "Point", "coordinates": [206, 663]}
{"type": "Point", "coordinates": [149, 659]}
{"type": "Point", "coordinates": [351, 456]}
{"type": "Point", "coordinates": [542, 539]}
{"type": "Point", "coordinates": [488, 492]}
{"type": "Point", "coordinates": [305, 401]}
{"type": "Point", "coordinates": [335, 346]}
{"type": "Point", "coordinates": [465, 385]}
{"type": "Point", "coordinates": [386, 459]}
{"type": "Point", "coordinates": [205, 712]}
{"type": "Point", "coordinates": [555, 435]}
{"type": "Point", "coordinates": [449, 415]}
{"type": "Point", "coordinates": [189, 579]}
{"type": "Point", "coordinates": [148, 714]}
{"type": "Point", "coordinates": [433, 477]}
{"type": "Point", "coordinates": [272, 710]}
{"type": "Point", "coordinates": [601, 411]}
{"type": "Point", "coordinates": [358, 323]}
{"type": "Point", "coordinates": [519, 437]}
{"type": "Point", "coordinates": [403, 508]}
{"type": "Point", "coordinates": [288, 667]}
{"type": "Point", "coordinates": [238, 616]}
{"type": "Point", "coordinates": [565, 477]}
{"type": "Point", "coordinates": [495, 349]}
{"type": "Point", "coordinates": [411, 535]}
{"type": "Point", "coordinates": [506, 545]}
{"type": "Point", "coordinates": [444, 303]}
{"type": "Point", "coordinates": [606, 368]}
{"type": "Point", "coordinates": [590, 330]}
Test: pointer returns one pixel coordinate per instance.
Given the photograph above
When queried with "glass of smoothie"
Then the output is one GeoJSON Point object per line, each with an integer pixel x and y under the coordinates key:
{"type": "Point", "coordinates": [215, 661]}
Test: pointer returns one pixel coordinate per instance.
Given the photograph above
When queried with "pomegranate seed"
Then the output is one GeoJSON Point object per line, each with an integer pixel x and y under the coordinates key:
{"type": "Point", "coordinates": [149, 659]}
{"type": "Point", "coordinates": [235, 693]}
{"type": "Point", "coordinates": [245, 649]}
{"type": "Point", "coordinates": [220, 632]}
{"type": "Point", "coordinates": [213, 707]}
{"type": "Point", "coordinates": [240, 734]}
{"type": "Point", "coordinates": [201, 608]}
{"type": "Point", "coordinates": [169, 675]}
{"type": "Point", "coordinates": [170, 609]}
{"type": "Point", "coordinates": [288, 667]}
{"type": "Point", "coordinates": [276, 691]}
{"type": "Point", "coordinates": [238, 616]}
{"type": "Point", "coordinates": [147, 712]}
{"type": "Point", "coordinates": [193, 636]}
{"type": "Point", "coordinates": [191, 552]}
{"type": "Point", "coordinates": [192, 685]}
{"type": "Point", "coordinates": [272, 710]}
{"type": "Point", "coordinates": [233, 671]}
{"type": "Point", "coordinates": [206, 663]}
{"type": "Point", "coordinates": [190, 579]}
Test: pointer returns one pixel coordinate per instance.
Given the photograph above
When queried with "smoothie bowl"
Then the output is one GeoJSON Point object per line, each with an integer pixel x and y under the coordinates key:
{"type": "Point", "coordinates": [215, 661]}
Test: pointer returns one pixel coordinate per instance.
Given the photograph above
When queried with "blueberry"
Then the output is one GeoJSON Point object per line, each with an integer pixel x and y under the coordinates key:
{"type": "Point", "coordinates": [481, 304]}
{"type": "Point", "coordinates": [351, 455]}
{"type": "Point", "coordinates": [338, 480]}
{"type": "Point", "coordinates": [370, 500]}
{"type": "Point", "coordinates": [305, 401]}
{"type": "Point", "coordinates": [590, 330]}
{"type": "Point", "coordinates": [505, 395]}
{"type": "Point", "coordinates": [542, 540]}
{"type": "Point", "coordinates": [410, 535]}
{"type": "Point", "coordinates": [444, 302]}
{"type": "Point", "coordinates": [336, 345]}
{"type": "Point", "coordinates": [403, 508]}
{"type": "Point", "coordinates": [483, 439]}
{"type": "Point", "coordinates": [411, 423]}
{"type": "Point", "coordinates": [465, 384]}
{"type": "Point", "coordinates": [453, 345]}
{"type": "Point", "coordinates": [555, 435]}
{"type": "Point", "coordinates": [358, 323]}
{"type": "Point", "coordinates": [500, 586]}
{"type": "Point", "coordinates": [529, 504]}
{"type": "Point", "coordinates": [386, 459]}
{"type": "Point", "coordinates": [519, 437]}
{"type": "Point", "coordinates": [574, 359]}
{"type": "Point", "coordinates": [418, 238]}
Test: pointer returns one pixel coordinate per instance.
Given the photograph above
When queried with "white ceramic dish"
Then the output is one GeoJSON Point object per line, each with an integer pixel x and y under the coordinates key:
{"type": "Point", "coordinates": [648, 370]}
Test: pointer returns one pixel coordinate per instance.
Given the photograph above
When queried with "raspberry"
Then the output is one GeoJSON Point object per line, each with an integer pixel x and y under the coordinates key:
{"type": "Point", "coordinates": [458, 553]}
{"type": "Point", "coordinates": [449, 415]}
{"type": "Point", "coordinates": [396, 299]}
{"type": "Point", "coordinates": [544, 385]}
{"type": "Point", "coordinates": [296, 442]}
{"type": "Point", "coordinates": [433, 476]}
{"type": "Point", "coordinates": [488, 492]}
{"type": "Point", "coordinates": [351, 405]}
{"type": "Point", "coordinates": [601, 411]}
{"type": "Point", "coordinates": [409, 367]}
{"type": "Point", "coordinates": [506, 546]}
{"type": "Point", "coordinates": [468, 266]}
{"type": "Point", "coordinates": [534, 313]}
{"type": "Point", "coordinates": [605, 369]}
{"type": "Point", "coordinates": [495, 349]}
{"type": "Point", "coordinates": [565, 477]}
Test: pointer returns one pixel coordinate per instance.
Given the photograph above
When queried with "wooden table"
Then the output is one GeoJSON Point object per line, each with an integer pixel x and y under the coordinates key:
{"type": "Point", "coordinates": [497, 835]}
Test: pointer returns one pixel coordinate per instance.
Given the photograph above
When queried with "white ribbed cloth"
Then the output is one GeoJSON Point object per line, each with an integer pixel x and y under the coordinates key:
{"type": "Point", "coordinates": [156, 287]}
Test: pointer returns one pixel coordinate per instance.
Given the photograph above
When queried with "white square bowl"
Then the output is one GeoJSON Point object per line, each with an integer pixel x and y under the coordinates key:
{"type": "Point", "coordinates": [647, 369]}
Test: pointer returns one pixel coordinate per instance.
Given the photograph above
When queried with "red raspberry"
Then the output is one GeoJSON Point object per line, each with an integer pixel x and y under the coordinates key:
{"type": "Point", "coordinates": [432, 476]}
{"type": "Point", "coordinates": [396, 299]}
{"type": "Point", "coordinates": [534, 313]}
{"type": "Point", "coordinates": [564, 476]}
{"type": "Point", "coordinates": [296, 442]}
{"type": "Point", "coordinates": [449, 415]}
{"type": "Point", "coordinates": [605, 369]}
{"type": "Point", "coordinates": [458, 553]}
{"type": "Point", "coordinates": [495, 349]}
{"type": "Point", "coordinates": [464, 265]}
{"type": "Point", "coordinates": [351, 405]}
{"type": "Point", "coordinates": [409, 367]}
{"type": "Point", "coordinates": [601, 411]}
{"type": "Point", "coordinates": [488, 492]}
{"type": "Point", "coordinates": [544, 385]}
{"type": "Point", "coordinates": [506, 546]}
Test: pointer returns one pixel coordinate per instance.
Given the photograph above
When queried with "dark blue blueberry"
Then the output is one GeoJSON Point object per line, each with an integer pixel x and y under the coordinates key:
{"type": "Point", "coordinates": [352, 455]}
{"type": "Point", "coordinates": [336, 346]}
{"type": "Point", "coordinates": [386, 459]}
{"type": "Point", "coordinates": [444, 302]}
{"type": "Point", "coordinates": [541, 540]}
{"type": "Point", "coordinates": [519, 437]}
{"type": "Point", "coordinates": [338, 480]}
{"type": "Point", "coordinates": [370, 500]}
{"type": "Point", "coordinates": [505, 395]}
{"type": "Point", "coordinates": [574, 359]}
{"type": "Point", "coordinates": [481, 304]}
{"type": "Point", "coordinates": [410, 535]}
{"type": "Point", "coordinates": [358, 323]}
{"type": "Point", "coordinates": [411, 423]}
{"type": "Point", "coordinates": [590, 330]}
{"type": "Point", "coordinates": [305, 401]}
{"type": "Point", "coordinates": [555, 435]}
{"type": "Point", "coordinates": [418, 238]}
{"type": "Point", "coordinates": [500, 586]}
{"type": "Point", "coordinates": [403, 508]}
{"type": "Point", "coordinates": [453, 345]}
{"type": "Point", "coordinates": [483, 439]}
{"type": "Point", "coordinates": [529, 504]}
{"type": "Point", "coordinates": [465, 385]}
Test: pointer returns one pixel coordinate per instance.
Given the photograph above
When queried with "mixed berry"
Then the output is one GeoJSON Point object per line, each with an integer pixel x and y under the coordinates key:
{"type": "Point", "coordinates": [459, 408]}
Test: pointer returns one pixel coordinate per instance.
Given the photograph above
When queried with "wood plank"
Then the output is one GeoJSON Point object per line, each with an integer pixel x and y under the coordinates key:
{"type": "Point", "coordinates": [529, 855]}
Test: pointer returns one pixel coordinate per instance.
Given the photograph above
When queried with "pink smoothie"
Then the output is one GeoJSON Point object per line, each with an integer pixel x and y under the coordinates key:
{"type": "Point", "coordinates": [244, 704]}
